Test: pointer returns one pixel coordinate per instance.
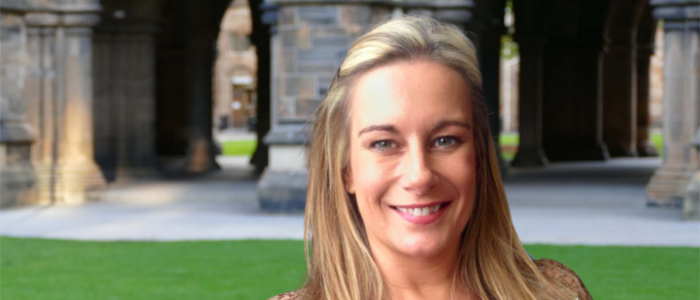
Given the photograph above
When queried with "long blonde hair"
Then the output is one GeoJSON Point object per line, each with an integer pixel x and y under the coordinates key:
{"type": "Point", "coordinates": [491, 261]}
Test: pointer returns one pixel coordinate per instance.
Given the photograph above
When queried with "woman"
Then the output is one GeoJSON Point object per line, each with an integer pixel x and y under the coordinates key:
{"type": "Point", "coordinates": [405, 199]}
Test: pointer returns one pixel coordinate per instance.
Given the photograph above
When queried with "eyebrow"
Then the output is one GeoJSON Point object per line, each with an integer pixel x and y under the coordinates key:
{"type": "Point", "coordinates": [446, 123]}
{"type": "Point", "coordinates": [390, 128]}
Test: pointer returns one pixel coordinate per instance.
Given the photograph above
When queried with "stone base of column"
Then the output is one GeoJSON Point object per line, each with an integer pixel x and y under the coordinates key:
{"type": "Point", "coordinates": [584, 152]}
{"type": "Point", "coordinates": [529, 157]}
{"type": "Point", "coordinates": [283, 191]}
{"type": "Point", "coordinates": [201, 158]}
{"type": "Point", "coordinates": [668, 186]}
{"type": "Point", "coordinates": [17, 185]}
{"type": "Point", "coordinates": [647, 149]}
{"type": "Point", "coordinates": [74, 183]}
{"type": "Point", "coordinates": [135, 174]}
{"type": "Point", "coordinates": [691, 202]}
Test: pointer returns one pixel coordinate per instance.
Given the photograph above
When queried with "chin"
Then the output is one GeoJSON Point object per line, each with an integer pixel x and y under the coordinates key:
{"type": "Point", "coordinates": [422, 246]}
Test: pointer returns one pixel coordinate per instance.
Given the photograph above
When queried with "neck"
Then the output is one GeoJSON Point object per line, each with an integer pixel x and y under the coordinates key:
{"type": "Point", "coordinates": [413, 278]}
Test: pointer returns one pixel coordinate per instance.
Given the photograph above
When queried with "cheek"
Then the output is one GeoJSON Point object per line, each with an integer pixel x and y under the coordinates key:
{"type": "Point", "coordinates": [370, 181]}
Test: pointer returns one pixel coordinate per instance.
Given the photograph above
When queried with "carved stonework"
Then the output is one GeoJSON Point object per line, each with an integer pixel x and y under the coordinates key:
{"type": "Point", "coordinates": [12, 67]}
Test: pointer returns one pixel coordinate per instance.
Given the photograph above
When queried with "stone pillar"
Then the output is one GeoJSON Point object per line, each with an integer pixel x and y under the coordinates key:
{"type": "Point", "coordinates": [489, 51]}
{"type": "Point", "coordinates": [199, 65]}
{"type": "Point", "coordinates": [572, 100]}
{"type": "Point", "coordinates": [17, 79]}
{"type": "Point", "coordinates": [620, 98]}
{"type": "Point", "coordinates": [530, 152]}
{"type": "Point", "coordinates": [646, 31]}
{"type": "Point", "coordinates": [681, 100]}
{"type": "Point", "coordinates": [308, 44]}
{"type": "Point", "coordinates": [124, 76]}
{"type": "Point", "coordinates": [65, 168]}
{"type": "Point", "coordinates": [262, 23]}
{"type": "Point", "coordinates": [644, 145]}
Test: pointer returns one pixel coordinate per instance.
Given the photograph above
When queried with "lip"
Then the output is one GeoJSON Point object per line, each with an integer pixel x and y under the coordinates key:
{"type": "Point", "coordinates": [422, 220]}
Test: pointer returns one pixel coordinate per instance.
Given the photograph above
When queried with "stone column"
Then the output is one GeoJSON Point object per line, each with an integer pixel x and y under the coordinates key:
{"type": "Point", "coordinates": [199, 65]}
{"type": "Point", "coordinates": [644, 145]}
{"type": "Point", "coordinates": [572, 100]}
{"type": "Point", "coordinates": [124, 73]}
{"type": "Point", "coordinates": [620, 98]}
{"type": "Point", "coordinates": [262, 24]}
{"type": "Point", "coordinates": [646, 31]}
{"type": "Point", "coordinates": [68, 173]}
{"type": "Point", "coordinates": [308, 43]}
{"type": "Point", "coordinates": [681, 100]}
{"type": "Point", "coordinates": [530, 152]}
{"type": "Point", "coordinates": [17, 79]}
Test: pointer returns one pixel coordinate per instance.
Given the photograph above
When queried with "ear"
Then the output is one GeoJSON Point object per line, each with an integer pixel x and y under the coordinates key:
{"type": "Point", "coordinates": [347, 181]}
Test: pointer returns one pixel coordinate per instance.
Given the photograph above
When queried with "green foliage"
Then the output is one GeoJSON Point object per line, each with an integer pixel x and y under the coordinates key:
{"type": "Point", "coordinates": [38, 269]}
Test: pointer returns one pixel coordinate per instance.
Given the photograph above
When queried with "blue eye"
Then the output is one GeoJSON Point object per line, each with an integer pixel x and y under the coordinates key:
{"type": "Point", "coordinates": [445, 141]}
{"type": "Point", "coordinates": [382, 145]}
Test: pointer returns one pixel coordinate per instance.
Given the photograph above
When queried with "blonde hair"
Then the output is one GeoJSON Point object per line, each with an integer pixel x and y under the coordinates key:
{"type": "Point", "coordinates": [491, 261]}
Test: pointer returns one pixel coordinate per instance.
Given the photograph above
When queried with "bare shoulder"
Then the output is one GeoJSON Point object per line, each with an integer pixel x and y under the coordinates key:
{"type": "Point", "coordinates": [293, 295]}
{"type": "Point", "coordinates": [565, 276]}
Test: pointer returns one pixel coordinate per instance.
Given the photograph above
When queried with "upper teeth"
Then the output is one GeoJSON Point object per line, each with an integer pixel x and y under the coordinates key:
{"type": "Point", "coordinates": [420, 211]}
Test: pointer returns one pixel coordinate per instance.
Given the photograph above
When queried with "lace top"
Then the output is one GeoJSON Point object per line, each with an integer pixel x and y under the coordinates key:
{"type": "Point", "coordinates": [550, 268]}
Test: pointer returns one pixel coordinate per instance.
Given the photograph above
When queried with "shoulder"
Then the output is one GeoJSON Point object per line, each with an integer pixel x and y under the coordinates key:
{"type": "Point", "coordinates": [564, 276]}
{"type": "Point", "coordinates": [293, 295]}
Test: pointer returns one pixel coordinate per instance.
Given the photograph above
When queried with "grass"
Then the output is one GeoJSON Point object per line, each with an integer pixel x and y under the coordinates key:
{"type": "Point", "coordinates": [509, 144]}
{"type": "Point", "coordinates": [35, 269]}
{"type": "Point", "coordinates": [40, 269]}
{"type": "Point", "coordinates": [239, 148]}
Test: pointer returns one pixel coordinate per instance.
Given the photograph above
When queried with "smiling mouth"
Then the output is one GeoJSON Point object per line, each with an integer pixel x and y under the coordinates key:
{"type": "Point", "coordinates": [421, 211]}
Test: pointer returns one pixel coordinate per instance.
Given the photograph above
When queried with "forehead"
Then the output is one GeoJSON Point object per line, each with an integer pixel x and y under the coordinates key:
{"type": "Point", "coordinates": [410, 93]}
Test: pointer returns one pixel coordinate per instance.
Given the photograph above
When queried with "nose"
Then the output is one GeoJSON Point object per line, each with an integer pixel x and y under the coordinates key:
{"type": "Point", "coordinates": [418, 177]}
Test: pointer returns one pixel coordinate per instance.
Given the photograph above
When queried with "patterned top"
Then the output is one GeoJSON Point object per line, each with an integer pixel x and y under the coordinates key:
{"type": "Point", "coordinates": [550, 268]}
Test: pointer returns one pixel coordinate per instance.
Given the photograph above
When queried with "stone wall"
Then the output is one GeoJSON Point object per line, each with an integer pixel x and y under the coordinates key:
{"type": "Point", "coordinates": [46, 131]}
{"type": "Point", "coordinates": [234, 65]}
{"type": "Point", "coordinates": [310, 44]}
{"type": "Point", "coordinates": [16, 177]}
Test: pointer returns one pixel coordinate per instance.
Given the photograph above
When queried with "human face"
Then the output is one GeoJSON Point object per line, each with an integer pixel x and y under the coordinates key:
{"type": "Point", "coordinates": [411, 159]}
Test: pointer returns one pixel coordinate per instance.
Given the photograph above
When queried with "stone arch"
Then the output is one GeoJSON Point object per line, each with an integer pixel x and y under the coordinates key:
{"type": "Point", "coordinates": [152, 63]}
{"type": "Point", "coordinates": [572, 89]}
{"type": "Point", "coordinates": [187, 48]}
{"type": "Point", "coordinates": [620, 78]}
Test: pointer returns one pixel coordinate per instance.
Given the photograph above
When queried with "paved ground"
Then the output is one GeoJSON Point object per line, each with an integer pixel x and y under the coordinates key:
{"type": "Point", "coordinates": [592, 204]}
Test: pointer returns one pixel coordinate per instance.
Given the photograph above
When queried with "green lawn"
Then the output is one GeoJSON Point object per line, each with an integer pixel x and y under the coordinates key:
{"type": "Point", "coordinates": [36, 269]}
{"type": "Point", "coordinates": [239, 148]}
{"type": "Point", "coordinates": [509, 144]}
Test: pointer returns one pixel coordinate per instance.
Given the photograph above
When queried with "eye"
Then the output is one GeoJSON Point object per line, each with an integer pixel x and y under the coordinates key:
{"type": "Point", "coordinates": [446, 141]}
{"type": "Point", "coordinates": [383, 145]}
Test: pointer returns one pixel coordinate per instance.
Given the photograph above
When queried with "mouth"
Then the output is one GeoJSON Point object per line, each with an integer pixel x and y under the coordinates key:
{"type": "Point", "coordinates": [422, 214]}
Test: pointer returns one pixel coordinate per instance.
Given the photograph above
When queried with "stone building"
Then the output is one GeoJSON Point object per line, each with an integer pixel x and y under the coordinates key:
{"type": "Point", "coordinates": [119, 90]}
{"type": "Point", "coordinates": [235, 69]}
